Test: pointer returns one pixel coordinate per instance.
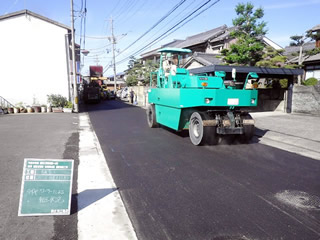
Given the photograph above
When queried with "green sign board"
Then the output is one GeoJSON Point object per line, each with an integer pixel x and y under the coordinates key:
{"type": "Point", "coordinates": [46, 187]}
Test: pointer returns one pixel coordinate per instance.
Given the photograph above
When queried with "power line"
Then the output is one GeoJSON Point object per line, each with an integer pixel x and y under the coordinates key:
{"type": "Point", "coordinates": [171, 20]}
{"type": "Point", "coordinates": [128, 7]}
{"type": "Point", "coordinates": [156, 24]}
{"type": "Point", "coordinates": [115, 7]}
{"type": "Point", "coordinates": [175, 17]}
{"type": "Point", "coordinates": [117, 13]}
{"type": "Point", "coordinates": [12, 5]}
{"type": "Point", "coordinates": [166, 33]}
{"type": "Point", "coordinates": [94, 37]}
{"type": "Point", "coordinates": [182, 11]}
{"type": "Point", "coordinates": [103, 47]}
{"type": "Point", "coordinates": [187, 21]}
{"type": "Point", "coordinates": [133, 13]}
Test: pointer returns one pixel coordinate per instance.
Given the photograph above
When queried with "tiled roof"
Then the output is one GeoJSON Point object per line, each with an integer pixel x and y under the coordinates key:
{"type": "Point", "coordinates": [207, 59]}
{"type": "Point", "coordinates": [27, 12]}
{"type": "Point", "coordinates": [295, 49]}
{"type": "Point", "coordinates": [155, 51]}
{"type": "Point", "coordinates": [214, 35]}
{"type": "Point", "coordinates": [202, 37]}
{"type": "Point", "coordinates": [223, 36]}
{"type": "Point", "coordinates": [315, 28]}
{"type": "Point", "coordinates": [306, 58]}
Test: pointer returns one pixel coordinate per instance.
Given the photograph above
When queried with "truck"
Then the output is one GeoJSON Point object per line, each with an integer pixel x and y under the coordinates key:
{"type": "Point", "coordinates": [208, 106]}
{"type": "Point", "coordinates": [92, 92]}
{"type": "Point", "coordinates": [96, 71]}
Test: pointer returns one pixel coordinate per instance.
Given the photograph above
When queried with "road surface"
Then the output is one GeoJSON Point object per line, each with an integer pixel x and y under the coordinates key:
{"type": "Point", "coordinates": [174, 190]}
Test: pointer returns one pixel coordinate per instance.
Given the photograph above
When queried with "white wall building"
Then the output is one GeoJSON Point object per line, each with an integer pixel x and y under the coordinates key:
{"type": "Point", "coordinates": [34, 58]}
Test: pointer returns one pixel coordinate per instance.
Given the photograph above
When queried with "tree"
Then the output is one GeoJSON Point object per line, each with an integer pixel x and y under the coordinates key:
{"type": "Point", "coordinates": [132, 72]}
{"type": "Point", "coordinates": [274, 59]}
{"type": "Point", "coordinates": [313, 35]}
{"type": "Point", "coordinates": [248, 33]}
{"type": "Point", "coordinates": [297, 40]}
{"type": "Point", "coordinates": [139, 72]}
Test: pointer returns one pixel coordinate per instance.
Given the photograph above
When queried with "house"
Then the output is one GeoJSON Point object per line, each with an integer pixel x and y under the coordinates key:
{"type": "Point", "coordinates": [154, 55]}
{"type": "Point", "coordinates": [205, 46]}
{"type": "Point", "coordinates": [121, 80]}
{"type": "Point", "coordinates": [311, 63]}
{"type": "Point", "coordinates": [35, 58]}
{"type": "Point", "coordinates": [196, 43]}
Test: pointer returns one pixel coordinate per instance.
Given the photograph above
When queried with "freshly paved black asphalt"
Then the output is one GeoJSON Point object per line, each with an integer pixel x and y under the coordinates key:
{"type": "Point", "coordinates": [174, 190]}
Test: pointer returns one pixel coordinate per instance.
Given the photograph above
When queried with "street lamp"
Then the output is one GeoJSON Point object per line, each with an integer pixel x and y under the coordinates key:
{"type": "Point", "coordinates": [85, 52]}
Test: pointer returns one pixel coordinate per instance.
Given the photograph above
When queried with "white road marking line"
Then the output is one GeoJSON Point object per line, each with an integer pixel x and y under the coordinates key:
{"type": "Point", "coordinates": [101, 212]}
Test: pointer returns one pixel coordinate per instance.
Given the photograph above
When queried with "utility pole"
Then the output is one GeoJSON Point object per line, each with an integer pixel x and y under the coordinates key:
{"type": "Point", "coordinates": [300, 62]}
{"type": "Point", "coordinates": [113, 41]}
{"type": "Point", "coordinates": [75, 86]}
{"type": "Point", "coordinates": [300, 57]}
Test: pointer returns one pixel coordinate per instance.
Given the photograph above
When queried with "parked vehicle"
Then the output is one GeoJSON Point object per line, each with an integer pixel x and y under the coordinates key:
{"type": "Point", "coordinates": [209, 106]}
{"type": "Point", "coordinates": [111, 95]}
{"type": "Point", "coordinates": [125, 92]}
{"type": "Point", "coordinates": [118, 94]}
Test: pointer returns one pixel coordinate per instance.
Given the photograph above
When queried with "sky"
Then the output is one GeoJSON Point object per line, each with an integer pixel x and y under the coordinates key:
{"type": "Point", "coordinates": [133, 18]}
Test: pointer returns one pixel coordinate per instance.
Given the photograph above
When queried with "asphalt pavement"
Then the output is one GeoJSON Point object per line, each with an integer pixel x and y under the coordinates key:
{"type": "Point", "coordinates": [170, 188]}
{"type": "Point", "coordinates": [43, 136]}
{"type": "Point", "coordinates": [174, 190]}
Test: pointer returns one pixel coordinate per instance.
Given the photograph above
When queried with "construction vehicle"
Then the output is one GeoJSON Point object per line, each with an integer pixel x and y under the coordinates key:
{"type": "Point", "coordinates": [92, 92]}
{"type": "Point", "coordinates": [209, 106]}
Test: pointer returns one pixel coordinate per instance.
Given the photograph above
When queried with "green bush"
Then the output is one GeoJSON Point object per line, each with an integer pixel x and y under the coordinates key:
{"type": "Point", "coordinates": [56, 100]}
{"type": "Point", "coordinates": [283, 83]}
{"type": "Point", "coordinates": [310, 82]}
{"type": "Point", "coordinates": [68, 105]}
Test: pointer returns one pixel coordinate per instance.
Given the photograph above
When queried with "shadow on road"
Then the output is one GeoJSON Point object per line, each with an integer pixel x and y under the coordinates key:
{"type": "Point", "coordinates": [90, 196]}
{"type": "Point", "coordinates": [223, 139]}
{"type": "Point", "coordinates": [259, 133]}
{"type": "Point", "coordinates": [105, 106]}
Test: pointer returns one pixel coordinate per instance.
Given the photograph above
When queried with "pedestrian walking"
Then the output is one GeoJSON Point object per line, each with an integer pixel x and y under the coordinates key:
{"type": "Point", "coordinates": [131, 96]}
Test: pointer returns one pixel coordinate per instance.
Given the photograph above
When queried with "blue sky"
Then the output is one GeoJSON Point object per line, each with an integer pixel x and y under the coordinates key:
{"type": "Point", "coordinates": [132, 18]}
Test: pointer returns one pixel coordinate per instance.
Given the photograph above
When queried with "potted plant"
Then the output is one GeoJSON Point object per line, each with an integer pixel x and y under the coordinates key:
{"type": "Point", "coordinates": [30, 109]}
{"type": "Point", "coordinates": [49, 108]}
{"type": "Point", "coordinates": [18, 107]}
{"type": "Point", "coordinates": [23, 110]}
{"type": "Point", "coordinates": [36, 108]}
{"type": "Point", "coordinates": [10, 109]}
{"type": "Point", "coordinates": [43, 108]}
{"type": "Point", "coordinates": [68, 107]}
{"type": "Point", "coordinates": [16, 110]}
{"type": "Point", "coordinates": [57, 102]}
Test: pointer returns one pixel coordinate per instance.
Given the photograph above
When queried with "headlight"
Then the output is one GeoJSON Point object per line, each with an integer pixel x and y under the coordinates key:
{"type": "Point", "coordinates": [253, 100]}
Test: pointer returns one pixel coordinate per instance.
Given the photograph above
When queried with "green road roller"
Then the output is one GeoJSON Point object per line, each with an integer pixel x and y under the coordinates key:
{"type": "Point", "coordinates": [209, 106]}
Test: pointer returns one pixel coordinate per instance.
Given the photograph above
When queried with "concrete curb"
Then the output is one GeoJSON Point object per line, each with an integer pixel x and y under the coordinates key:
{"type": "Point", "coordinates": [301, 146]}
{"type": "Point", "coordinates": [101, 212]}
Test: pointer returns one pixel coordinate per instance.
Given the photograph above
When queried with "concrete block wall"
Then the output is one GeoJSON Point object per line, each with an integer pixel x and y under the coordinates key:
{"type": "Point", "coordinates": [142, 95]}
{"type": "Point", "coordinates": [306, 99]}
